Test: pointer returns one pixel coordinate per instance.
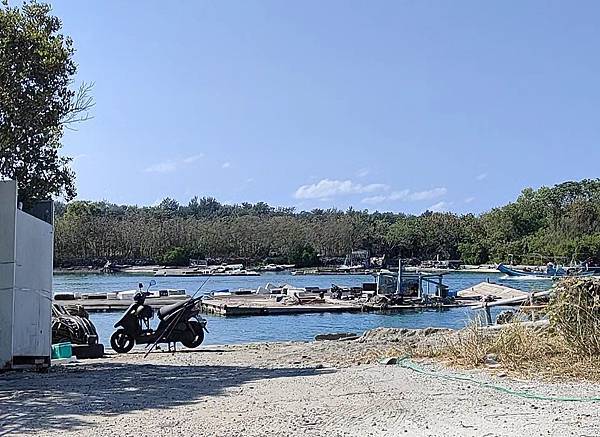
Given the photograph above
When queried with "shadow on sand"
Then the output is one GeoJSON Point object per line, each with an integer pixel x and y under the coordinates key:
{"type": "Point", "coordinates": [35, 402]}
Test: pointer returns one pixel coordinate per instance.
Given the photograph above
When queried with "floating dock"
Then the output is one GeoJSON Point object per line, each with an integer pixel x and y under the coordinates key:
{"type": "Point", "coordinates": [490, 291]}
{"type": "Point", "coordinates": [261, 305]}
{"type": "Point", "coordinates": [288, 300]}
{"type": "Point", "coordinates": [368, 306]}
{"type": "Point", "coordinates": [114, 305]}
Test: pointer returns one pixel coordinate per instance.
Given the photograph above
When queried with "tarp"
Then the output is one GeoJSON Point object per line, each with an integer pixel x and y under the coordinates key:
{"type": "Point", "coordinates": [485, 289]}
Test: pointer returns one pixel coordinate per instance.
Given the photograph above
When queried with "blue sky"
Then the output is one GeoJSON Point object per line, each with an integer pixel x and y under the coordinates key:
{"type": "Point", "coordinates": [397, 105]}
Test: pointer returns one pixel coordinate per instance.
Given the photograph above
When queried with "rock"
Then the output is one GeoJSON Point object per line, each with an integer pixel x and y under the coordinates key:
{"type": "Point", "coordinates": [338, 336]}
{"type": "Point", "coordinates": [399, 334]}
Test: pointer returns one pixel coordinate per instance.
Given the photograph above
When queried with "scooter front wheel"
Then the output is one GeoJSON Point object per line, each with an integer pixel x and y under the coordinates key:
{"type": "Point", "coordinates": [121, 341]}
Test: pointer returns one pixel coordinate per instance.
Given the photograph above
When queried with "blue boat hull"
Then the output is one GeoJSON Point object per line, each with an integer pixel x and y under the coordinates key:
{"type": "Point", "coordinates": [559, 273]}
{"type": "Point", "coordinates": [515, 272]}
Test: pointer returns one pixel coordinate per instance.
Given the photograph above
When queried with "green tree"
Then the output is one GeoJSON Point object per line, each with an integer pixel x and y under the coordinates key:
{"type": "Point", "coordinates": [177, 256]}
{"type": "Point", "coordinates": [36, 101]}
{"type": "Point", "coordinates": [168, 204]}
{"type": "Point", "coordinates": [303, 256]}
{"type": "Point", "coordinates": [556, 223]}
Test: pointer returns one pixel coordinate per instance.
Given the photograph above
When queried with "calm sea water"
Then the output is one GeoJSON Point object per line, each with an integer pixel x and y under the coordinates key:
{"type": "Point", "coordinates": [302, 327]}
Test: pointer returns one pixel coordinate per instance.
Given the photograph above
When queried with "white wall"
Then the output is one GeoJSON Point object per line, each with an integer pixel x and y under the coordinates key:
{"type": "Point", "coordinates": [8, 207]}
{"type": "Point", "coordinates": [32, 334]}
{"type": "Point", "coordinates": [26, 254]}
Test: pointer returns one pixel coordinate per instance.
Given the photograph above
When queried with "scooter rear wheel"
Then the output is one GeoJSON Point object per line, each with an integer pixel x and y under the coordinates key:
{"type": "Point", "coordinates": [121, 341]}
{"type": "Point", "coordinates": [195, 338]}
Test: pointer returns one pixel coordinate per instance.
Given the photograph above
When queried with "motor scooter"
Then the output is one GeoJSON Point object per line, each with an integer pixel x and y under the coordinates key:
{"type": "Point", "coordinates": [179, 322]}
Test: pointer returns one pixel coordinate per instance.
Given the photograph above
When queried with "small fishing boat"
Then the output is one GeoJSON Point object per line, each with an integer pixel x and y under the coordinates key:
{"type": "Point", "coordinates": [550, 272]}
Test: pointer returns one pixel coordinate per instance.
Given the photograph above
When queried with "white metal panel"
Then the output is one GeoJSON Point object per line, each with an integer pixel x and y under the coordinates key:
{"type": "Point", "coordinates": [8, 207]}
{"type": "Point", "coordinates": [26, 254]}
{"type": "Point", "coordinates": [33, 286]}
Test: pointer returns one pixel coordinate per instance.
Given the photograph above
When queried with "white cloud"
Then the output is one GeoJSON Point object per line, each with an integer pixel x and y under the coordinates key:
{"type": "Point", "coordinates": [408, 196]}
{"type": "Point", "coordinates": [171, 166]}
{"type": "Point", "coordinates": [363, 172]}
{"type": "Point", "coordinates": [469, 199]}
{"type": "Point", "coordinates": [193, 158]}
{"type": "Point", "coordinates": [331, 188]}
{"type": "Point", "coordinates": [399, 195]}
{"type": "Point", "coordinates": [226, 165]}
{"type": "Point", "coordinates": [162, 167]}
{"type": "Point", "coordinates": [428, 194]}
{"type": "Point", "coordinates": [481, 176]}
{"type": "Point", "coordinates": [439, 207]}
{"type": "Point", "coordinates": [374, 199]}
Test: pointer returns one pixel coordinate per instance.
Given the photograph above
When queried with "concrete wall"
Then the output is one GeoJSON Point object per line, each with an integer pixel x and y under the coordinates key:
{"type": "Point", "coordinates": [26, 248]}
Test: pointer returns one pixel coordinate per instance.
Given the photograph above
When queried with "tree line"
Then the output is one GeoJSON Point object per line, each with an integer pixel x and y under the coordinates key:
{"type": "Point", "coordinates": [548, 224]}
{"type": "Point", "coordinates": [38, 100]}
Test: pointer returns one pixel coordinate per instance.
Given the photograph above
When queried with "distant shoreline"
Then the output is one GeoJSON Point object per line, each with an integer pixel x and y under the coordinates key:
{"type": "Point", "coordinates": [177, 271]}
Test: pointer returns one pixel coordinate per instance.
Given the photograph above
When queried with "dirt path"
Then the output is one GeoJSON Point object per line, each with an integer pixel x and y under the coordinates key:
{"type": "Point", "coordinates": [286, 389]}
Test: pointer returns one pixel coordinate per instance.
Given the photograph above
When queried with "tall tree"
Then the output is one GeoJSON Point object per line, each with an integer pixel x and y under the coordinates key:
{"type": "Point", "coordinates": [36, 101]}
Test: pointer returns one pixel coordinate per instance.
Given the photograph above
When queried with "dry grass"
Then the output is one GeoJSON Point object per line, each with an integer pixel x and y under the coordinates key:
{"type": "Point", "coordinates": [574, 312]}
{"type": "Point", "coordinates": [518, 350]}
{"type": "Point", "coordinates": [568, 348]}
{"type": "Point", "coordinates": [468, 348]}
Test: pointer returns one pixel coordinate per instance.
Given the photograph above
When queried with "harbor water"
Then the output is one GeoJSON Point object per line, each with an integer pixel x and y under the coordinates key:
{"type": "Point", "coordinates": [300, 327]}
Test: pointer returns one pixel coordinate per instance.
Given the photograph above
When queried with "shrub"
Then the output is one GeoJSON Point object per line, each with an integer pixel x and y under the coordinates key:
{"type": "Point", "coordinates": [304, 256]}
{"type": "Point", "coordinates": [574, 312]}
{"type": "Point", "coordinates": [177, 256]}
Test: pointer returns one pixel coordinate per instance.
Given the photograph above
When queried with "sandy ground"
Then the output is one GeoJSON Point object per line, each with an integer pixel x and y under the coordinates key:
{"type": "Point", "coordinates": [285, 389]}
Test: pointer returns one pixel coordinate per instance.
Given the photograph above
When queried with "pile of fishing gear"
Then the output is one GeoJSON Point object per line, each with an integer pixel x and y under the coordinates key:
{"type": "Point", "coordinates": [71, 324]}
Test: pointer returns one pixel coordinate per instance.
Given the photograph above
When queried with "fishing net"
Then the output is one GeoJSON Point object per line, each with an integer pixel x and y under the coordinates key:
{"type": "Point", "coordinates": [70, 323]}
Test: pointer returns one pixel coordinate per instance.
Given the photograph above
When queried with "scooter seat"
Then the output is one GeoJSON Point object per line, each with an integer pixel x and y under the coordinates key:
{"type": "Point", "coordinates": [170, 309]}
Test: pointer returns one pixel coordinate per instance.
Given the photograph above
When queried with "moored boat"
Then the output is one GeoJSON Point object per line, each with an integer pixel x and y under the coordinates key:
{"type": "Point", "coordinates": [550, 272]}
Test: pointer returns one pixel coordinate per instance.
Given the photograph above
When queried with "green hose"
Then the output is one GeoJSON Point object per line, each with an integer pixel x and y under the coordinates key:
{"type": "Point", "coordinates": [407, 364]}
